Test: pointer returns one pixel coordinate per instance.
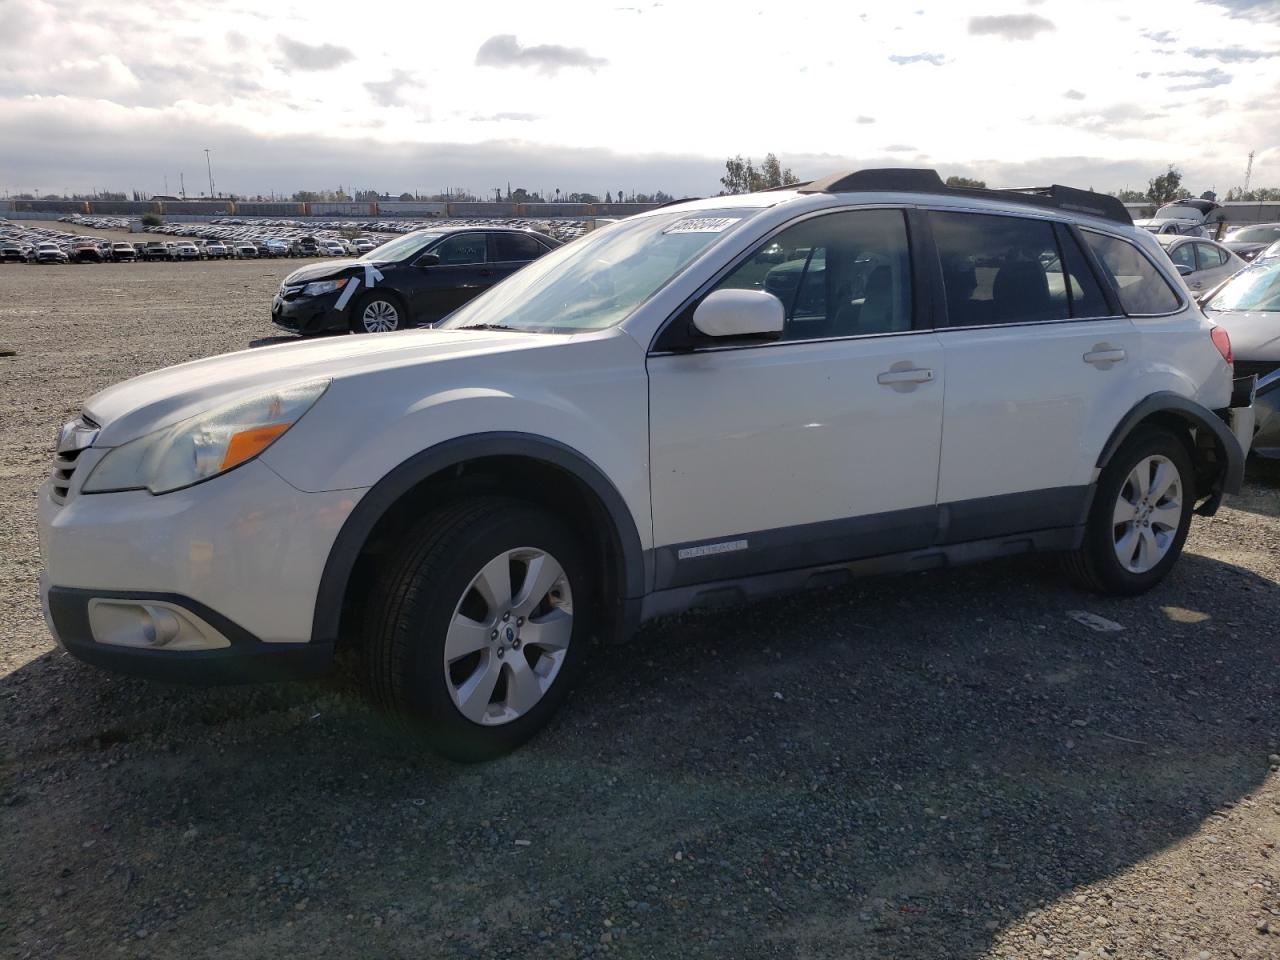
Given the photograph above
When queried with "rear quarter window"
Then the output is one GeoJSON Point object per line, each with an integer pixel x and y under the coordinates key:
{"type": "Point", "coordinates": [1142, 289]}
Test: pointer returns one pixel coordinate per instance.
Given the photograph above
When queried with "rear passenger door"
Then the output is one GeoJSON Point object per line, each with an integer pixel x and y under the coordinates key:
{"type": "Point", "coordinates": [1212, 267]}
{"type": "Point", "coordinates": [509, 251]}
{"type": "Point", "coordinates": [1038, 358]}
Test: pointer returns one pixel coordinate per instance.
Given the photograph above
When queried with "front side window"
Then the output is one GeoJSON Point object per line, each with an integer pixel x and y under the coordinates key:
{"type": "Point", "coordinates": [1142, 289]}
{"type": "Point", "coordinates": [837, 275]}
{"type": "Point", "coordinates": [1183, 255]}
{"type": "Point", "coordinates": [999, 269]}
{"type": "Point", "coordinates": [460, 249]}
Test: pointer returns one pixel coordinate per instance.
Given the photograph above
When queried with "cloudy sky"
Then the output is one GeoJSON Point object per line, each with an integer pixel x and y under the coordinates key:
{"type": "Point", "coordinates": [595, 96]}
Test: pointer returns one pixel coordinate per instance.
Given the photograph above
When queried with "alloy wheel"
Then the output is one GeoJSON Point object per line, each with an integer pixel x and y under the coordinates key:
{"type": "Point", "coordinates": [509, 636]}
{"type": "Point", "coordinates": [380, 316]}
{"type": "Point", "coordinates": [1147, 514]}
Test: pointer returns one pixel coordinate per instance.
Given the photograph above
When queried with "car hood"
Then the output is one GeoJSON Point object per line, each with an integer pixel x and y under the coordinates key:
{"type": "Point", "coordinates": [330, 268]}
{"type": "Point", "coordinates": [1255, 335]}
{"type": "Point", "coordinates": [139, 406]}
{"type": "Point", "coordinates": [1245, 246]}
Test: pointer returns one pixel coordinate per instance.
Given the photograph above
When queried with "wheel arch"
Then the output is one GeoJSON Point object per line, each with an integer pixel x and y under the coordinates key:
{"type": "Point", "coordinates": [607, 519]}
{"type": "Point", "coordinates": [1214, 449]}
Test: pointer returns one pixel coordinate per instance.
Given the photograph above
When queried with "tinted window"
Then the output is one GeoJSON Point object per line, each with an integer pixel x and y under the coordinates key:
{"type": "Point", "coordinates": [1183, 255]}
{"type": "Point", "coordinates": [1141, 287]}
{"type": "Point", "coordinates": [1087, 299]}
{"type": "Point", "coordinates": [461, 248]}
{"type": "Point", "coordinates": [999, 269]}
{"type": "Point", "coordinates": [839, 275]}
{"type": "Point", "coordinates": [1209, 256]}
{"type": "Point", "coordinates": [516, 246]}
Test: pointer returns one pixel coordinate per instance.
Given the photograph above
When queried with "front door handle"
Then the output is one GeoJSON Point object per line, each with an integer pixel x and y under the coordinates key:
{"type": "Point", "coordinates": [1103, 356]}
{"type": "Point", "coordinates": [910, 375]}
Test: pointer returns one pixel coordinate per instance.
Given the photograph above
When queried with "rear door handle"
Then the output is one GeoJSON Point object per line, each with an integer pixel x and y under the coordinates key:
{"type": "Point", "coordinates": [914, 375]}
{"type": "Point", "coordinates": [1100, 355]}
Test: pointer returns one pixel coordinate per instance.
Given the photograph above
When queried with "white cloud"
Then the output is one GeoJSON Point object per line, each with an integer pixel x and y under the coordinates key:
{"type": "Point", "coordinates": [310, 87]}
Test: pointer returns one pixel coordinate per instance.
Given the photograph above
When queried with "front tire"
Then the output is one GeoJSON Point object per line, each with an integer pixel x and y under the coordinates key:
{"type": "Point", "coordinates": [1140, 517]}
{"type": "Point", "coordinates": [378, 312]}
{"type": "Point", "coordinates": [478, 626]}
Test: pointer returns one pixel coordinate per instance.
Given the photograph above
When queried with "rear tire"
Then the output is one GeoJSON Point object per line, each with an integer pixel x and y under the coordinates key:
{"type": "Point", "coordinates": [1140, 516]}
{"type": "Point", "coordinates": [478, 625]}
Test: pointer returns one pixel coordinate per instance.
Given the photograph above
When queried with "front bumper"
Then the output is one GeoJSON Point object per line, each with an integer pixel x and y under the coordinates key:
{"type": "Point", "coordinates": [246, 659]}
{"type": "Point", "coordinates": [307, 315]}
{"type": "Point", "coordinates": [243, 553]}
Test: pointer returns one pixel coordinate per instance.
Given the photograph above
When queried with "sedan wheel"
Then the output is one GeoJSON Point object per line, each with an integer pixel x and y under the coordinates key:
{"type": "Point", "coordinates": [379, 316]}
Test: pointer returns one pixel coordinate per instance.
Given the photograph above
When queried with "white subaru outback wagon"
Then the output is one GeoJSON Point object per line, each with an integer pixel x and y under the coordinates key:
{"type": "Point", "coordinates": [709, 402]}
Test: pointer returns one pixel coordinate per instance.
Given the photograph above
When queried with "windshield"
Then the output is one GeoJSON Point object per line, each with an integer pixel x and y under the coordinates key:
{"type": "Point", "coordinates": [598, 280]}
{"type": "Point", "coordinates": [1257, 234]}
{"type": "Point", "coordinates": [1254, 288]}
{"type": "Point", "coordinates": [401, 248]}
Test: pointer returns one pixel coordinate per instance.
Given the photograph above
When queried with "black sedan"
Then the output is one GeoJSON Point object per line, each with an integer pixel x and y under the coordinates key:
{"type": "Point", "coordinates": [416, 279]}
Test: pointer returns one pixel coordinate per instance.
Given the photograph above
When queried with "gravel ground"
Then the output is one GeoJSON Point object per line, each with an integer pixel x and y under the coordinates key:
{"type": "Point", "coordinates": [942, 765]}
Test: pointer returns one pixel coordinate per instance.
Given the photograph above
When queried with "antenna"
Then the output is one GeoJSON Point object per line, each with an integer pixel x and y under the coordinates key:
{"type": "Point", "coordinates": [1248, 172]}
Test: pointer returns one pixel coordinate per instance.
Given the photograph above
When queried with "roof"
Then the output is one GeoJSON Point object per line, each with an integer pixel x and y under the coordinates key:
{"type": "Point", "coordinates": [915, 180]}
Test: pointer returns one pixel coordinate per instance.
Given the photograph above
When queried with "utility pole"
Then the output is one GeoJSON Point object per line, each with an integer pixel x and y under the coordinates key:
{"type": "Point", "coordinates": [1248, 172]}
{"type": "Point", "coordinates": [182, 184]}
{"type": "Point", "coordinates": [166, 184]}
{"type": "Point", "coordinates": [209, 164]}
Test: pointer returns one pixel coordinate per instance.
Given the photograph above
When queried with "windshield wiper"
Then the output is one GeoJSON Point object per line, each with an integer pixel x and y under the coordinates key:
{"type": "Point", "coordinates": [490, 326]}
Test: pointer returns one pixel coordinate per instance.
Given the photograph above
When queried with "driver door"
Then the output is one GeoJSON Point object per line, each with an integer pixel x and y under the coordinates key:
{"type": "Point", "coordinates": [817, 448]}
{"type": "Point", "coordinates": [462, 272]}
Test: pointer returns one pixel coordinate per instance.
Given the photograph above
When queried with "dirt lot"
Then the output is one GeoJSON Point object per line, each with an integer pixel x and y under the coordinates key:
{"type": "Point", "coordinates": [944, 765]}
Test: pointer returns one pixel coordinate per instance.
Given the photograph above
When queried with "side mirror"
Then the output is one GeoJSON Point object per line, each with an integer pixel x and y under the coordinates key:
{"type": "Point", "coordinates": [740, 313]}
{"type": "Point", "coordinates": [1183, 270]}
{"type": "Point", "coordinates": [427, 260]}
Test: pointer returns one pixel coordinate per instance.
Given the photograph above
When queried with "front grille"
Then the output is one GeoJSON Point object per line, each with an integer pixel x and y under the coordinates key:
{"type": "Point", "coordinates": [74, 438]}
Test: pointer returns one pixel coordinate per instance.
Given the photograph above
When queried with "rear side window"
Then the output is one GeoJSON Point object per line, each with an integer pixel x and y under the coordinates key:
{"type": "Point", "coordinates": [1209, 256]}
{"type": "Point", "coordinates": [516, 246]}
{"type": "Point", "coordinates": [999, 269]}
{"type": "Point", "coordinates": [837, 275]}
{"type": "Point", "coordinates": [1087, 298]}
{"type": "Point", "coordinates": [1141, 287]}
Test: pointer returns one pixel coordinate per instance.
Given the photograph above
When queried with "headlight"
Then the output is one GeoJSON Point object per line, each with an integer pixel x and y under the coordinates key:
{"type": "Point", "coordinates": [323, 286]}
{"type": "Point", "coordinates": [205, 445]}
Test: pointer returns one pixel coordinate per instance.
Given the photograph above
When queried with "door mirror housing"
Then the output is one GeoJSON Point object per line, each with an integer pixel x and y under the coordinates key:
{"type": "Point", "coordinates": [1183, 270]}
{"type": "Point", "coordinates": [427, 260]}
{"type": "Point", "coordinates": [740, 313]}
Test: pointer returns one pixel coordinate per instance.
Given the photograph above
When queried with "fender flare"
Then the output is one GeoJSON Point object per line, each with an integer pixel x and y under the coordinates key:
{"type": "Point", "coordinates": [403, 478]}
{"type": "Point", "coordinates": [1201, 418]}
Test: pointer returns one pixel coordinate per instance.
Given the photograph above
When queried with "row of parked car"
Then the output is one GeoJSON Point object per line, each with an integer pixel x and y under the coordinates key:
{"type": "Point", "coordinates": [20, 245]}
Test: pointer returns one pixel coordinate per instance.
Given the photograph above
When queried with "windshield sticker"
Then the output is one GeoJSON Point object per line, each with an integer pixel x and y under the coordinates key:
{"type": "Point", "coordinates": [702, 225]}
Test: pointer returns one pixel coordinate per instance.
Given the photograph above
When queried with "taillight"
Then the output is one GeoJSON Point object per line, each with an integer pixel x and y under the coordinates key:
{"type": "Point", "coordinates": [1223, 343]}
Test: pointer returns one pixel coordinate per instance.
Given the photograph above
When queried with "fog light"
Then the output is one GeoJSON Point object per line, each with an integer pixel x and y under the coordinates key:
{"type": "Point", "coordinates": [151, 624]}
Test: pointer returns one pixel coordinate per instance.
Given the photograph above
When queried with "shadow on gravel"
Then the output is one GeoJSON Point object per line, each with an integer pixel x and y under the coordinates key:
{"type": "Point", "coordinates": [271, 341]}
{"type": "Point", "coordinates": [903, 768]}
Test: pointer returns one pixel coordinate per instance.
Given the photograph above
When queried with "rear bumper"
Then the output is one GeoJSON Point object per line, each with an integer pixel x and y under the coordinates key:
{"type": "Point", "coordinates": [245, 660]}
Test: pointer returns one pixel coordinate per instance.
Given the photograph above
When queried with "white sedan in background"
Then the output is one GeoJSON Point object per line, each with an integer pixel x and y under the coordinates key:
{"type": "Point", "coordinates": [1202, 264]}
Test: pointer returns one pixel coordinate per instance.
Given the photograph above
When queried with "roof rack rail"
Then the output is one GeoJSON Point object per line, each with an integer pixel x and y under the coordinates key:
{"type": "Point", "coordinates": [915, 180]}
{"type": "Point", "coordinates": [786, 186]}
